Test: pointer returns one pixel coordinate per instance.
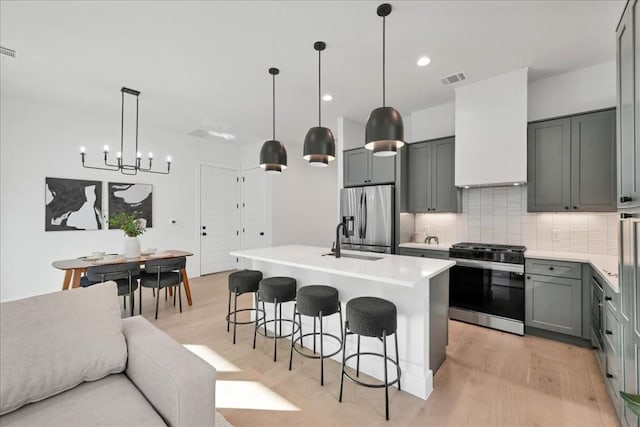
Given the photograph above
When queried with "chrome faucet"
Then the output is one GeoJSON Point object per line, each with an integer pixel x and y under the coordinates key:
{"type": "Point", "coordinates": [347, 230]}
{"type": "Point", "coordinates": [428, 240]}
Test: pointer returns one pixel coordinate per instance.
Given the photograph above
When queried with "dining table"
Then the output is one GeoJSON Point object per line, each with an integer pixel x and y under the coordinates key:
{"type": "Point", "coordinates": [74, 268]}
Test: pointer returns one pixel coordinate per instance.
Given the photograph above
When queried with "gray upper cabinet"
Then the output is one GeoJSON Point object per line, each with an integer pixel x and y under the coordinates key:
{"type": "Point", "coordinates": [431, 176]}
{"type": "Point", "coordinates": [549, 165]}
{"type": "Point", "coordinates": [571, 163]}
{"type": "Point", "coordinates": [361, 167]}
{"type": "Point", "coordinates": [593, 161]}
{"type": "Point", "coordinates": [628, 110]}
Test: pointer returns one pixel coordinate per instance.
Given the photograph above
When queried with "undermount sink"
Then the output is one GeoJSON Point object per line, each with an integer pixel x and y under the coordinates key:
{"type": "Point", "coordinates": [362, 257]}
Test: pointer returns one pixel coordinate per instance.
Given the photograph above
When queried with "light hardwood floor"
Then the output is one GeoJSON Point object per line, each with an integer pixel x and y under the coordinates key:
{"type": "Point", "coordinates": [490, 378]}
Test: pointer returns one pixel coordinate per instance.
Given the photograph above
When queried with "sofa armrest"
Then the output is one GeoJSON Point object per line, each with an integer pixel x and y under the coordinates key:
{"type": "Point", "coordinates": [179, 385]}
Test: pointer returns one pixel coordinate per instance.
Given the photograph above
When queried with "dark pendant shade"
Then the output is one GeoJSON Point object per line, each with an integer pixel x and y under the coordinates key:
{"type": "Point", "coordinates": [273, 156]}
{"type": "Point", "coordinates": [319, 146]}
{"type": "Point", "coordinates": [385, 131]}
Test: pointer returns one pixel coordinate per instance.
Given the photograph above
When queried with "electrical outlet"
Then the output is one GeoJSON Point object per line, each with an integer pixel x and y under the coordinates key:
{"type": "Point", "coordinates": [555, 235]}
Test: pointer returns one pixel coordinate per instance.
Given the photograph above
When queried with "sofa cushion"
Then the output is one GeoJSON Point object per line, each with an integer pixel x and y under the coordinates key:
{"type": "Point", "coordinates": [51, 343]}
{"type": "Point", "coordinates": [111, 401]}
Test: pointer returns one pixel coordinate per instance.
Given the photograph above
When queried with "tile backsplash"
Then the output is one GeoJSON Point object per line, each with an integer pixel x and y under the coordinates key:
{"type": "Point", "coordinates": [499, 215]}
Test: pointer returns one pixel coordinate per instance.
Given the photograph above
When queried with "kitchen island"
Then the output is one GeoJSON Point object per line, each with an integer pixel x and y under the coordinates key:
{"type": "Point", "coordinates": [419, 287]}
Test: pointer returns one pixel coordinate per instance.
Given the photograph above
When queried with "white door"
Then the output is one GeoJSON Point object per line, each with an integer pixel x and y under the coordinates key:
{"type": "Point", "coordinates": [219, 218]}
{"type": "Point", "coordinates": [255, 233]}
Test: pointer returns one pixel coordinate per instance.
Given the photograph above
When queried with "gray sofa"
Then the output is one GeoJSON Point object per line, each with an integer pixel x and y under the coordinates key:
{"type": "Point", "coordinates": [68, 359]}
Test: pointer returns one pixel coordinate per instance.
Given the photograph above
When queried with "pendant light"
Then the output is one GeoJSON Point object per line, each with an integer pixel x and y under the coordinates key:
{"type": "Point", "coordinates": [273, 155]}
{"type": "Point", "coordinates": [319, 144]}
{"type": "Point", "coordinates": [384, 132]}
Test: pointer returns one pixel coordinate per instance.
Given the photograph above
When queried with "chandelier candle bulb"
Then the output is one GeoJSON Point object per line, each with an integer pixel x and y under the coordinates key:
{"type": "Point", "coordinates": [119, 155]}
{"type": "Point", "coordinates": [82, 150]}
{"type": "Point", "coordinates": [150, 155]}
{"type": "Point", "coordinates": [168, 159]}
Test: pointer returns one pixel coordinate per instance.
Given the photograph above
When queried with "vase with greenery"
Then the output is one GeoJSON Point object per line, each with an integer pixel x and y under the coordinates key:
{"type": "Point", "coordinates": [132, 227]}
{"type": "Point", "coordinates": [632, 401]}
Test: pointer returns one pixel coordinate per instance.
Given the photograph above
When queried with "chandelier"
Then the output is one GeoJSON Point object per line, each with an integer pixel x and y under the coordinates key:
{"type": "Point", "coordinates": [120, 165]}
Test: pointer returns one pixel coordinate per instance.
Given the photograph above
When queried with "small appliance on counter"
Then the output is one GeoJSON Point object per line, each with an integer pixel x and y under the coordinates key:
{"type": "Point", "coordinates": [372, 208]}
{"type": "Point", "coordinates": [486, 286]}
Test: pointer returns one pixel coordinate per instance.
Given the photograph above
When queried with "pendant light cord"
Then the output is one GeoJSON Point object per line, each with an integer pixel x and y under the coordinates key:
{"type": "Point", "coordinates": [384, 21]}
{"type": "Point", "coordinates": [319, 89]}
{"type": "Point", "coordinates": [274, 108]}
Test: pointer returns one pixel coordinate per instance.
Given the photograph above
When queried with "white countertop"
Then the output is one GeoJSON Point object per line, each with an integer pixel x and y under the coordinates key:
{"type": "Point", "coordinates": [604, 264]}
{"type": "Point", "coordinates": [430, 246]}
{"type": "Point", "coordinates": [392, 269]}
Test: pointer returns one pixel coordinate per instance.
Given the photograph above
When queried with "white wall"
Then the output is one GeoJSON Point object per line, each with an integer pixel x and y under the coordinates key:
{"type": "Point", "coordinates": [585, 89]}
{"type": "Point", "coordinates": [304, 202]}
{"type": "Point", "coordinates": [431, 123]}
{"type": "Point", "coordinates": [42, 140]}
{"type": "Point", "coordinates": [351, 133]}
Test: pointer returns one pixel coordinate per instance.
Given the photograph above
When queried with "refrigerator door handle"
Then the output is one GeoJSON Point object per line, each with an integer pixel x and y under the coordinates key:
{"type": "Point", "coordinates": [360, 226]}
{"type": "Point", "coordinates": [364, 235]}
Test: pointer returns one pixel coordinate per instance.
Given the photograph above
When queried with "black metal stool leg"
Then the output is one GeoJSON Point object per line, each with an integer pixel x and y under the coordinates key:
{"type": "Point", "coordinates": [386, 379]}
{"type": "Point", "coordinates": [235, 313]}
{"type": "Point", "coordinates": [314, 335]}
{"type": "Point", "coordinates": [344, 353]}
{"type": "Point", "coordinates": [174, 296]}
{"type": "Point", "coordinates": [301, 337]}
{"type": "Point", "coordinates": [395, 337]}
{"type": "Point", "coordinates": [140, 299]}
{"type": "Point", "coordinates": [358, 358]}
{"type": "Point", "coordinates": [124, 302]}
{"type": "Point", "coordinates": [292, 337]}
{"type": "Point", "coordinates": [228, 310]}
{"type": "Point", "coordinates": [341, 333]}
{"type": "Point", "coordinates": [255, 329]}
{"type": "Point", "coordinates": [180, 297]}
{"type": "Point", "coordinates": [157, 302]}
{"type": "Point", "coordinates": [165, 293]}
{"type": "Point", "coordinates": [321, 350]}
{"type": "Point", "coordinates": [275, 339]}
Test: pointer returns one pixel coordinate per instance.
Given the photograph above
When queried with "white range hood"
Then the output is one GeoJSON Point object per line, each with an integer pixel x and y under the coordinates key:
{"type": "Point", "coordinates": [491, 131]}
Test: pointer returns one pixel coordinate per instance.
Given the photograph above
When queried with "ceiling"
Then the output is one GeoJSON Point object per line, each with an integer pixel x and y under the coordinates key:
{"type": "Point", "coordinates": [204, 64]}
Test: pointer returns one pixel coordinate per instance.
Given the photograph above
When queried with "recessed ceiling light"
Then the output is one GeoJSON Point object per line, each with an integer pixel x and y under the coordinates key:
{"type": "Point", "coordinates": [516, 183]}
{"type": "Point", "coordinates": [327, 97]}
{"type": "Point", "coordinates": [423, 61]}
{"type": "Point", "coordinates": [466, 186]}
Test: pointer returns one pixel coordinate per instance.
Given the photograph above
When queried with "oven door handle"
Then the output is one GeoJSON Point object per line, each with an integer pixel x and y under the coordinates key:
{"type": "Point", "coordinates": [513, 268]}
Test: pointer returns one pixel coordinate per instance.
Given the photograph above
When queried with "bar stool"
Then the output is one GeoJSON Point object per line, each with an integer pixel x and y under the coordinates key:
{"type": "Point", "coordinates": [276, 290]}
{"type": "Point", "coordinates": [242, 282]}
{"type": "Point", "coordinates": [371, 317]}
{"type": "Point", "coordinates": [316, 301]}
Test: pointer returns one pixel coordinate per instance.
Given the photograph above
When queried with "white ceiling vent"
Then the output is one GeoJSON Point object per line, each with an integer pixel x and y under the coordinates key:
{"type": "Point", "coordinates": [454, 78]}
{"type": "Point", "coordinates": [200, 133]}
{"type": "Point", "coordinates": [7, 52]}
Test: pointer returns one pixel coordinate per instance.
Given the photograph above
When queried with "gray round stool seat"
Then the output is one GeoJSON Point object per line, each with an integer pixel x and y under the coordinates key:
{"type": "Point", "coordinates": [376, 318]}
{"type": "Point", "coordinates": [275, 290]}
{"type": "Point", "coordinates": [242, 282]}
{"type": "Point", "coordinates": [282, 289]}
{"type": "Point", "coordinates": [313, 299]}
{"type": "Point", "coordinates": [371, 316]}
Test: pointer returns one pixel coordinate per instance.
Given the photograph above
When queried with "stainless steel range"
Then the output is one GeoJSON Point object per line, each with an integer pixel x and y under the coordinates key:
{"type": "Point", "coordinates": [486, 286]}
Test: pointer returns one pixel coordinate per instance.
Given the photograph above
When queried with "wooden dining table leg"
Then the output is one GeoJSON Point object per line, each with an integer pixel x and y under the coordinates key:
{"type": "Point", "coordinates": [77, 274]}
{"type": "Point", "coordinates": [187, 289]}
{"type": "Point", "coordinates": [67, 279]}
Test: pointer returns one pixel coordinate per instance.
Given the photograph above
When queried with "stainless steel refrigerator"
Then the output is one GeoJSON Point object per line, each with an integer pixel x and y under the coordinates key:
{"type": "Point", "coordinates": [372, 211]}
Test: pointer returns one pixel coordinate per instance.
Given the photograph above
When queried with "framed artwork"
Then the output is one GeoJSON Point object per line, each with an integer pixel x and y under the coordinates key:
{"type": "Point", "coordinates": [131, 198]}
{"type": "Point", "coordinates": [72, 204]}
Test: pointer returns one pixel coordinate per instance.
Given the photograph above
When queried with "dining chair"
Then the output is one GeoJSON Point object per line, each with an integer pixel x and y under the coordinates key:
{"type": "Point", "coordinates": [163, 273]}
{"type": "Point", "coordinates": [125, 275]}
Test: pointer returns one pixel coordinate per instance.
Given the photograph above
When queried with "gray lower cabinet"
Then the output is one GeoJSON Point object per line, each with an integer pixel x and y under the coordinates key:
{"type": "Point", "coordinates": [554, 304]}
{"type": "Point", "coordinates": [424, 253]}
{"type": "Point", "coordinates": [571, 163]}
{"type": "Point", "coordinates": [431, 186]}
{"type": "Point", "coordinates": [361, 167]}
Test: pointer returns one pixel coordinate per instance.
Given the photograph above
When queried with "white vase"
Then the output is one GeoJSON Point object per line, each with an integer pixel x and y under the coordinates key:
{"type": "Point", "coordinates": [131, 247]}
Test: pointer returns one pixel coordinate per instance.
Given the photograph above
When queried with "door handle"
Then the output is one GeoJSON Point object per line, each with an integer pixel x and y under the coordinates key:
{"type": "Point", "coordinates": [608, 332]}
{"type": "Point", "coordinates": [204, 227]}
{"type": "Point", "coordinates": [625, 199]}
{"type": "Point", "coordinates": [608, 298]}
{"type": "Point", "coordinates": [262, 233]}
{"type": "Point", "coordinates": [366, 219]}
{"type": "Point", "coordinates": [204, 234]}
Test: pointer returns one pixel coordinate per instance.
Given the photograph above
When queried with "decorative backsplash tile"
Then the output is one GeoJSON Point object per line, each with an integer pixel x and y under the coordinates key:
{"type": "Point", "coordinates": [499, 215]}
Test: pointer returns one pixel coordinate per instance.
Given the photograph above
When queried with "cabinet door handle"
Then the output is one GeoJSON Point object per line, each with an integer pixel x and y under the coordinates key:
{"type": "Point", "coordinates": [551, 268]}
{"type": "Point", "coordinates": [575, 207]}
{"type": "Point", "coordinates": [608, 332]}
{"type": "Point", "coordinates": [204, 234]}
{"type": "Point", "coordinates": [608, 298]}
{"type": "Point", "coordinates": [566, 207]}
{"type": "Point", "coordinates": [625, 199]}
{"type": "Point", "coordinates": [609, 375]}
{"type": "Point", "coordinates": [528, 277]}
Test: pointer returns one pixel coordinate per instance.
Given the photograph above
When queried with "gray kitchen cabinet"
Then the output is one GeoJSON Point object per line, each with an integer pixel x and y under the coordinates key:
{"type": "Point", "coordinates": [424, 253]}
{"type": "Point", "coordinates": [628, 79]}
{"type": "Point", "coordinates": [431, 173]}
{"type": "Point", "coordinates": [571, 163]}
{"type": "Point", "coordinates": [553, 304]}
{"type": "Point", "coordinates": [361, 167]}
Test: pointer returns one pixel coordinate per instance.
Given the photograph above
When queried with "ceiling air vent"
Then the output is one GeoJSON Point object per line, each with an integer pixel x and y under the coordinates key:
{"type": "Point", "coordinates": [7, 52]}
{"type": "Point", "coordinates": [454, 78]}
